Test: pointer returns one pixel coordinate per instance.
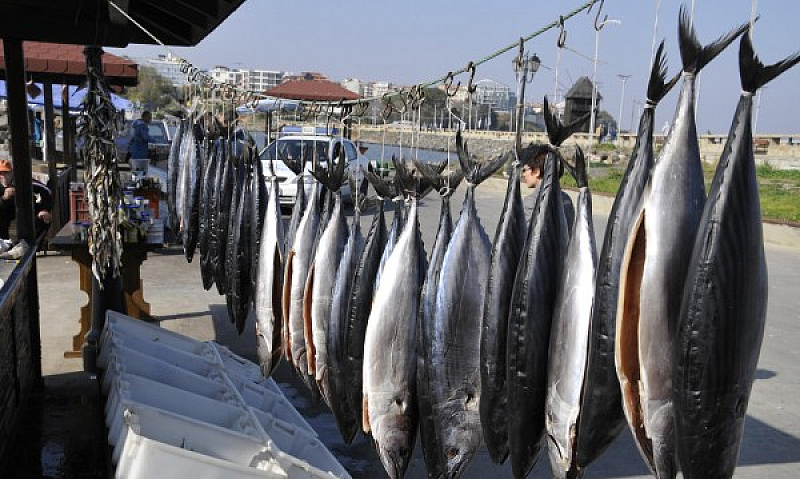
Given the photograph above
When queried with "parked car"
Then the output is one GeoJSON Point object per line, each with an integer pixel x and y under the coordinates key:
{"type": "Point", "coordinates": [160, 141]}
{"type": "Point", "coordinates": [326, 145]}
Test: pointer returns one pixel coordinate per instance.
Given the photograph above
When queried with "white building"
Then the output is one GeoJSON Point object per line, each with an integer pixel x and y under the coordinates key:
{"type": "Point", "coordinates": [490, 92]}
{"type": "Point", "coordinates": [167, 66]}
{"type": "Point", "coordinates": [253, 80]}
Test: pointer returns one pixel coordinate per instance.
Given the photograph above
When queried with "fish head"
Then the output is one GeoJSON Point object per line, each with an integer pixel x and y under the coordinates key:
{"type": "Point", "coordinates": [462, 434]}
{"type": "Point", "coordinates": [394, 431]}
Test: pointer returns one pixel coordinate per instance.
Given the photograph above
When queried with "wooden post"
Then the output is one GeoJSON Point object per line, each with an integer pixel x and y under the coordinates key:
{"type": "Point", "coordinates": [67, 136]}
{"type": "Point", "coordinates": [50, 158]}
{"type": "Point", "coordinates": [21, 154]}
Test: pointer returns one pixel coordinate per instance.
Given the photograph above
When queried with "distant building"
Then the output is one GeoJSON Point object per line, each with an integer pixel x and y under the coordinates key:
{"type": "Point", "coordinates": [303, 76]}
{"type": "Point", "coordinates": [578, 101]}
{"type": "Point", "coordinates": [495, 94]}
{"type": "Point", "coordinates": [167, 66]}
{"type": "Point", "coordinates": [379, 88]}
{"type": "Point", "coordinates": [253, 80]}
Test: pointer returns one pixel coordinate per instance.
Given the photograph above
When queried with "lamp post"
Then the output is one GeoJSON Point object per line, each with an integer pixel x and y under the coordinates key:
{"type": "Point", "coordinates": [598, 25]}
{"type": "Point", "coordinates": [525, 67]}
{"type": "Point", "coordinates": [624, 79]}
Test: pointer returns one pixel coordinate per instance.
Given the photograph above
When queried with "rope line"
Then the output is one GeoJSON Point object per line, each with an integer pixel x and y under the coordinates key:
{"type": "Point", "coordinates": [195, 75]}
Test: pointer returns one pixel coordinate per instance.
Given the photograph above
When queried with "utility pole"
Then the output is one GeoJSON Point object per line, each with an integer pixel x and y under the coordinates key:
{"type": "Point", "coordinates": [624, 79]}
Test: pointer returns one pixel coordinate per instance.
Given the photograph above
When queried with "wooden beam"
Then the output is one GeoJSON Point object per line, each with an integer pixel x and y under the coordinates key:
{"type": "Point", "coordinates": [20, 152]}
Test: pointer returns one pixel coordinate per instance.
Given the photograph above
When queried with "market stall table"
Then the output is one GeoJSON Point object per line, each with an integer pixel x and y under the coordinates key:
{"type": "Point", "coordinates": [72, 238]}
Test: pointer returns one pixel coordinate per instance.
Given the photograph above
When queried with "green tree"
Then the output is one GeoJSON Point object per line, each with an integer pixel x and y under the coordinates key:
{"type": "Point", "coordinates": [154, 92]}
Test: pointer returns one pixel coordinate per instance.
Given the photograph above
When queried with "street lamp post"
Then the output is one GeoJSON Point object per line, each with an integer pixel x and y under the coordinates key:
{"type": "Point", "coordinates": [624, 79]}
{"type": "Point", "coordinates": [598, 25]}
{"type": "Point", "coordinates": [525, 67]}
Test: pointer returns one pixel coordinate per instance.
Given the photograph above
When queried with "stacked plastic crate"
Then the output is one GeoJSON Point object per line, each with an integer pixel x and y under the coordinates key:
{"type": "Point", "coordinates": [177, 407]}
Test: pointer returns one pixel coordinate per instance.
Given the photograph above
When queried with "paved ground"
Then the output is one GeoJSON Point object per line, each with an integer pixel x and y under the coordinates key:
{"type": "Point", "coordinates": [771, 447]}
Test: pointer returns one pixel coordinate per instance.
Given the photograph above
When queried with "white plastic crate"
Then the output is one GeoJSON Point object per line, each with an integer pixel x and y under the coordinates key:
{"type": "Point", "coordinates": [156, 350]}
{"type": "Point", "coordinates": [224, 410]}
{"type": "Point", "coordinates": [132, 361]}
{"type": "Point", "coordinates": [300, 447]}
{"type": "Point", "coordinates": [263, 399]}
{"type": "Point", "coordinates": [143, 457]}
{"type": "Point", "coordinates": [127, 326]}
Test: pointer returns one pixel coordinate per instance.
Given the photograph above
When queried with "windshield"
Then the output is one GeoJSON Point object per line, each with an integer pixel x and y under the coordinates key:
{"type": "Point", "coordinates": [155, 129]}
{"type": "Point", "coordinates": [294, 149]}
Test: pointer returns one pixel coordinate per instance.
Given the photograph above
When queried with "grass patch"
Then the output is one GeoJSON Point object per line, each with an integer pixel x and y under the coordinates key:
{"type": "Point", "coordinates": [779, 189]}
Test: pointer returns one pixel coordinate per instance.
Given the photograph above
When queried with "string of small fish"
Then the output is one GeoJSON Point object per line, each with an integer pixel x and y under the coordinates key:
{"type": "Point", "coordinates": [501, 342]}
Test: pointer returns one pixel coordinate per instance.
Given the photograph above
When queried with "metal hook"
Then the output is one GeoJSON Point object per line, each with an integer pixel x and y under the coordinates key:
{"type": "Point", "coordinates": [598, 25]}
{"type": "Point", "coordinates": [562, 34]}
{"type": "Point", "coordinates": [448, 83]}
{"type": "Point", "coordinates": [470, 87]}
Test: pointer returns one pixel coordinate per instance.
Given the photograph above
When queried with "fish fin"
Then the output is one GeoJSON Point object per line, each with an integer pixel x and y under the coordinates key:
{"type": "Point", "coordinates": [693, 54]}
{"type": "Point", "coordinates": [557, 133]}
{"type": "Point", "coordinates": [308, 298]}
{"type": "Point", "coordinates": [287, 295]}
{"type": "Point", "coordinates": [365, 425]}
{"type": "Point", "coordinates": [439, 167]}
{"type": "Point", "coordinates": [474, 172]}
{"type": "Point", "coordinates": [658, 87]}
{"type": "Point", "coordinates": [383, 188]}
{"type": "Point", "coordinates": [579, 171]}
{"type": "Point", "coordinates": [755, 74]}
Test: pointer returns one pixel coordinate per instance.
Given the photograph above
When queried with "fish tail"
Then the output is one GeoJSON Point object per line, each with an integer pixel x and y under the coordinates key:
{"type": "Point", "coordinates": [557, 132]}
{"type": "Point", "coordinates": [755, 74]}
{"type": "Point", "coordinates": [444, 184]}
{"type": "Point", "coordinates": [383, 188]}
{"type": "Point", "coordinates": [476, 173]}
{"type": "Point", "coordinates": [658, 87]}
{"type": "Point", "coordinates": [579, 172]}
{"type": "Point", "coordinates": [694, 55]}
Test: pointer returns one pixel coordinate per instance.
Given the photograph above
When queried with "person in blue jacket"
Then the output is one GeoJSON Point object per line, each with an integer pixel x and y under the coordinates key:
{"type": "Point", "coordinates": [138, 146]}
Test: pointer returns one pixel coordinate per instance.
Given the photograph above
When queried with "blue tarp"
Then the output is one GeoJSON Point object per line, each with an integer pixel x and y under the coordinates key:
{"type": "Point", "coordinates": [75, 98]}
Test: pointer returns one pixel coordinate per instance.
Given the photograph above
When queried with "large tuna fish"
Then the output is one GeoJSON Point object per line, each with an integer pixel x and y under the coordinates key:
{"type": "Point", "coordinates": [222, 207]}
{"type": "Point", "coordinates": [453, 358]}
{"type": "Point", "coordinates": [654, 269]}
{"type": "Point", "coordinates": [725, 298]}
{"type": "Point", "coordinates": [389, 403]}
{"type": "Point", "coordinates": [298, 168]}
{"type": "Point", "coordinates": [338, 373]}
{"type": "Point", "coordinates": [192, 201]}
{"type": "Point", "coordinates": [173, 169]}
{"type": "Point", "coordinates": [322, 278]}
{"type": "Point", "coordinates": [240, 282]}
{"type": "Point", "coordinates": [507, 246]}
{"type": "Point", "coordinates": [569, 337]}
{"type": "Point", "coordinates": [601, 418]}
{"type": "Point", "coordinates": [532, 304]}
{"type": "Point", "coordinates": [397, 223]}
{"type": "Point", "coordinates": [431, 447]}
{"type": "Point", "coordinates": [298, 262]}
{"type": "Point", "coordinates": [269, 281]}
{"type": "Point", "coordinates": [205, 214]}
{"type": "Point", "coordinates": [360, 304]}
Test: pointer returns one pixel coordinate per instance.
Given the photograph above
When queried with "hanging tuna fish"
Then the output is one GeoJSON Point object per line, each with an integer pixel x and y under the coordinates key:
{"type": "Point", "coordinates": [173, 169]}
{"type": "Point", "coordinates": [223, 198]}
{"type": "Point", "coordinates": [600, 417]}
{"type": "Point", "coordinates": [532, 304]}
{"type": "Point", "coordinates": [268, 280]}
{"type": "Point", "coordinates": [725, 298]}
{"type": "Point", "coordinates": [445, 185]}
{"type": "Point", "coordinates": [654, 268]}
{"type": "Point", "coordinates": [212, 161]}
{"type": "Point", "coordinates": [389, 405]}
{"type": "Point", "coordinates": [569, 337]}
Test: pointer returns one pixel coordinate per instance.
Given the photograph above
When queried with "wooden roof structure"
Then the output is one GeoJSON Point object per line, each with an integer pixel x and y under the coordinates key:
{"type": "Point", "coordinates": [66, 64]}
{"type": "Point", "coordinates": [97, 22]}
{"type": "Point", "coordinates": [310, 90]}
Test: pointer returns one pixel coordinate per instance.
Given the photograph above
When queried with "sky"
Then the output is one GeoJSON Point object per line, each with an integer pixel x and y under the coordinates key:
{"type": "Point", "coordinates": [418, 41]}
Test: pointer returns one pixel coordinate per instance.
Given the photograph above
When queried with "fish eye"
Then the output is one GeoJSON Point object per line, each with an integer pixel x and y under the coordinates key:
{"type": "Point", "coordinates": [452, 453]}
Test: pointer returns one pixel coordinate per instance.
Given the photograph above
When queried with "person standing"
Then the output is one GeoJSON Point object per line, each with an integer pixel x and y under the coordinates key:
{"type": "Point", "coordinates": [138, 147]}
{"type": "Point", "coordinates": [532, 158]}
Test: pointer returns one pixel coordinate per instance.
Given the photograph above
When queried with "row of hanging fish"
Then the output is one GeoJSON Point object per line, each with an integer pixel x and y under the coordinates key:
{"type": "Point", "coordinates": [528, 341]}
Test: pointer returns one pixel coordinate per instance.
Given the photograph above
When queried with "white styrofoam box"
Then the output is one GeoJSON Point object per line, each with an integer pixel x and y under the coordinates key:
{"type": "Point", "coordinates": [143, 458]}
{"type": "Point", "coordinates": [215, 386]}
{"type": "Point", "coordinates": [123, 358]}
{"type": "Point", "coordinates": [197, 436]}
{"type": "Point", "coordinates": [225, 410]}
{"type": "Point", "coordinates": [156, 350]}
{"type": "Point", "coordinates": [117, 323]}
{"type": "Point", "coordinates": [300, 449]}
{"type": "Point", "coordinates": [263, 399]}
{"type": "Point", "coordinates": [236, 364]}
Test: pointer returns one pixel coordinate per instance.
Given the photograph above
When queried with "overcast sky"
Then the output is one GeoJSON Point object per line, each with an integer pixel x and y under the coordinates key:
{"type": "Point", "coordinates": [418, 41]}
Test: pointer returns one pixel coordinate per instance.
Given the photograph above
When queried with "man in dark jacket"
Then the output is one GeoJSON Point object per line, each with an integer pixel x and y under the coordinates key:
{"type": "Point", "coordinates": [43, 202]}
